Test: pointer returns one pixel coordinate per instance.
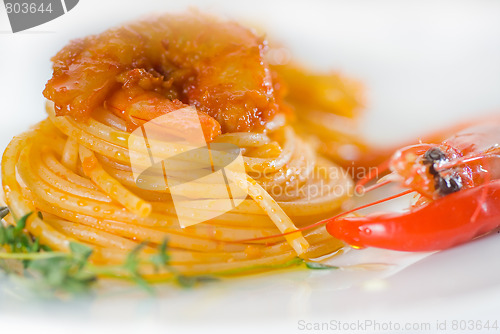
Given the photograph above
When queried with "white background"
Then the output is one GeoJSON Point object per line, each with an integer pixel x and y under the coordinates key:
{"type": "Point", "coordinates": [426, 65]}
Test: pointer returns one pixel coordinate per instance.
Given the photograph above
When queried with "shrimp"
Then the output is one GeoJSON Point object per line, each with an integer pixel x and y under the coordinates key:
{"type": "Point", "coordinates": [217, 67]}
{"type": "Point", "coordinates": [458, 182]}
{"type": "Point", "coordinates": [137, 105]}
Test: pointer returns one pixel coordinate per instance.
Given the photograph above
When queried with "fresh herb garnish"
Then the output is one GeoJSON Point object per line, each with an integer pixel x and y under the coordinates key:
{"type": "Point", "coordinates": [62, 272]}
{"type": "Point", "coordinates": [72, 273]}
{"type": "Point", "coordinates": [44, 269]}
{"type": "Point", "coordinates": [319, 266]}
{"type": "Point", "coordinates": [162, 258]}
{"type": "Point", "coordinates": [190, 281]}
{"type": "Point", "coordinates": [131, 265]}
{"type": "Point", "coordinates": [14, 239]}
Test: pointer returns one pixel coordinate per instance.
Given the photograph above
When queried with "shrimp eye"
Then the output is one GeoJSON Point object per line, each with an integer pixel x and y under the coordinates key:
{"type": "Point", "coordinates": [449, 184]}
{"type": "Point", "coordinates": [433, 154]}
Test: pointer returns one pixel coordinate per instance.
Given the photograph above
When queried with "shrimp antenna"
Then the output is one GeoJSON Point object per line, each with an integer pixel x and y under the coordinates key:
{"type": "Point", "coordinates": [372, 174]}
{"type": "Point", "coordinates": [467, 159]}
{"type": "Point", "coordinates": [326, 221]}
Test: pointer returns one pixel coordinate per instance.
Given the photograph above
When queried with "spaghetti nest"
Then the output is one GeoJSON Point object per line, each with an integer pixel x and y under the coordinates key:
{"type": "Point", "coordinates": [75, 166]}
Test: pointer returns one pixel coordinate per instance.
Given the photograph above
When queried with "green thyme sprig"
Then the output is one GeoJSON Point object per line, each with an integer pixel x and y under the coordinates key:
{"type": "Point", "coordinates": [319, 266]}
{"type": "Point", "coordinates": [161, 261]}
{"type": "Point", "coordinates": [72, 273]}
{"type": "Point", "coordinates": [50, 271]}
{"type": "Point", "coordinates": [14, 237]}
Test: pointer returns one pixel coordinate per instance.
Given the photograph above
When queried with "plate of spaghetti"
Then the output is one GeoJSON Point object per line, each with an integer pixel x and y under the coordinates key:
{"type": "Point", "coordinates": [184, 154]}
{"type": "Point", "coordinates": [76, 167]}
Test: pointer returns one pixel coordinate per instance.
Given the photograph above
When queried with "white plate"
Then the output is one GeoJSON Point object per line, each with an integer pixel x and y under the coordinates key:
{"type": "Point", "coordinates": [425, 64]}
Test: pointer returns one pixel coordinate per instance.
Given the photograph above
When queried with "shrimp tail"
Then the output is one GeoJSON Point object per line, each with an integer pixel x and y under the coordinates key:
{"type": "Point", "coordinates": [438, 225]}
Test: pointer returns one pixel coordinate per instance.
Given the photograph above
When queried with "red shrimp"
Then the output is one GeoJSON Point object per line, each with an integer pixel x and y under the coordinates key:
{"type": "Point", "coordinates": [437, 225]}
{"type": "Point", "coordinates": [217, 67]}
{"type": "Point", "coordinates": [459, 184]}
